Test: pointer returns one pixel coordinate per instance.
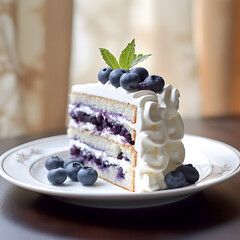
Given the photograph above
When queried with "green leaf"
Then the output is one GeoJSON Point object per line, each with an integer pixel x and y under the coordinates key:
{"type": "Point", "coordinates": [139, 58]}
{"type": "Point", "coordinates": [128, 58]}
{"type": "Point", "coordinates": [109, 58]}
{"type": "Point", "coordinates": [127, 55]}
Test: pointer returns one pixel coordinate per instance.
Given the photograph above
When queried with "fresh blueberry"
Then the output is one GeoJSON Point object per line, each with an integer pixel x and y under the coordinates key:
{"type": "Point", "coordinates": [115, 75]}
{"type": "Point", "coordinates": [72, 170]}
{"type": "Point", "coordinates": [57, 176]}
{"type": "Point", "coordinates": [53, 162]}
{"type": "Point", "coordinates": [144, 86]}
{"type": "Point", "coordinates": [175, 179]}
{"type": "Point", "coordinates": [191, 173]}
{"type": "Point", "coordinates": [155, 82]}
{"type": "Point", "coordinates": [141, 72]}
{"type": "Point", "coordinates": [103, 74]}
{"type": "Point", "coordinates": [87, 176]}
{"type": "Point", "coordinates": [71, 160]}
{"type": "Point", "coordinates": [130, 81]}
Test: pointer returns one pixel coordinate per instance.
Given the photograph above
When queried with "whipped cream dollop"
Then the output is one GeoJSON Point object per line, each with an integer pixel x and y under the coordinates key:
{"type": "Point", "coordinates": [159, 129]}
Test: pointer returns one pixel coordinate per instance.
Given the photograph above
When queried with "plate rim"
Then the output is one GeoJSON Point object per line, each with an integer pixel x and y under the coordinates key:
{"type": "Point", "coordinates": [187, 190]}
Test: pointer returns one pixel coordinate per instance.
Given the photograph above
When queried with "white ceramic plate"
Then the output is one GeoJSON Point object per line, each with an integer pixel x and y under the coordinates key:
{"type": "Point", "coordinates": [24, 166]}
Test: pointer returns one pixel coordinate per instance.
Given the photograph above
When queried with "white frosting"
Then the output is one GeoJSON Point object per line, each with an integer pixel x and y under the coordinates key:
{"type": "Point", "coordinates": [159, 129]}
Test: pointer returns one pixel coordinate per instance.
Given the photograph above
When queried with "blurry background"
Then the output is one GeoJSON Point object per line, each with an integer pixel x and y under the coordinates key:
{"type": "Point", "coordinates": [46, 46]}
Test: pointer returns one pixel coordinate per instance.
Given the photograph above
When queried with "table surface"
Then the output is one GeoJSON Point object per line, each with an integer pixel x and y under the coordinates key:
{"type": "Point", "coordinates": [211, 214]}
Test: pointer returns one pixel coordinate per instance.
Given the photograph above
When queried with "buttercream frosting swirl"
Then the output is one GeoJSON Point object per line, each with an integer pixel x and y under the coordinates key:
{"type": "Point", "coordinates": [158, 143]}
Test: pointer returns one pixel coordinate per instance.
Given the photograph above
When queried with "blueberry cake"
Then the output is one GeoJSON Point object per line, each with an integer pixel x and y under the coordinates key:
{"type": "Point", "coordinates": [127, 126]}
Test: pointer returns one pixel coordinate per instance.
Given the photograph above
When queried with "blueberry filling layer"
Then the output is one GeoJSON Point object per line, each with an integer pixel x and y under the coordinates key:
{"type": "Point", "coordinates": [85, 147]}
{"type": "Point", "coordinates": [102, 122]}
{"type": "Point", "coordinates": [94, 111]}
{"type": "Point", "coordinates": [98, 161]}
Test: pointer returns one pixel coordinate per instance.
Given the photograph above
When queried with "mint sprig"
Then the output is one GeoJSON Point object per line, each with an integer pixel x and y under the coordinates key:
{"type": "Point", "coordinates": [139, 58]}
{"type": "Point", "coordinates": [127, 55]}
{"type": "Point", "coordinates": [128, 58]}
{"type": "Point", "coordinates": [109, 58]}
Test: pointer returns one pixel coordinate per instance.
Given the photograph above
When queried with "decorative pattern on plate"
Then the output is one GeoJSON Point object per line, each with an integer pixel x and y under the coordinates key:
{"type": "Point", "coordinates": [23, 157]}
{"type": "Point", "coordinates": [219, 171]}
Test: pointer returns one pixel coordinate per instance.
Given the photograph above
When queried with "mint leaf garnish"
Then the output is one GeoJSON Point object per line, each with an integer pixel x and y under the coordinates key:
{"type": "Point", "coordinates": [139, 59]}
{"type": "Point", "coordinates": [127, 56]}
{"type": "Point", "coordinates": [110, 60]}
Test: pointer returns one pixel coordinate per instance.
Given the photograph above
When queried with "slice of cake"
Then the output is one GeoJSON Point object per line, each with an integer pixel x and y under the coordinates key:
{"type": "Point", "coordinates": [128, 128]}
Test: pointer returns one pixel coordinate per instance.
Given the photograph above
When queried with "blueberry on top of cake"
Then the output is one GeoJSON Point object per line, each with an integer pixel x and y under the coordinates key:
{"type": "Point", "coordinates": [127, 125]}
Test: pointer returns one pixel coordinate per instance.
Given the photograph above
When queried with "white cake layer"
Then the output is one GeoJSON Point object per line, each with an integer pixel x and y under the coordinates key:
{"type": "Point", "coordinates": [110, 176]}
{"type": "Point", "coordinates": [110, 105]}
{"type": "Point", "coordinates": [111, 173]}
